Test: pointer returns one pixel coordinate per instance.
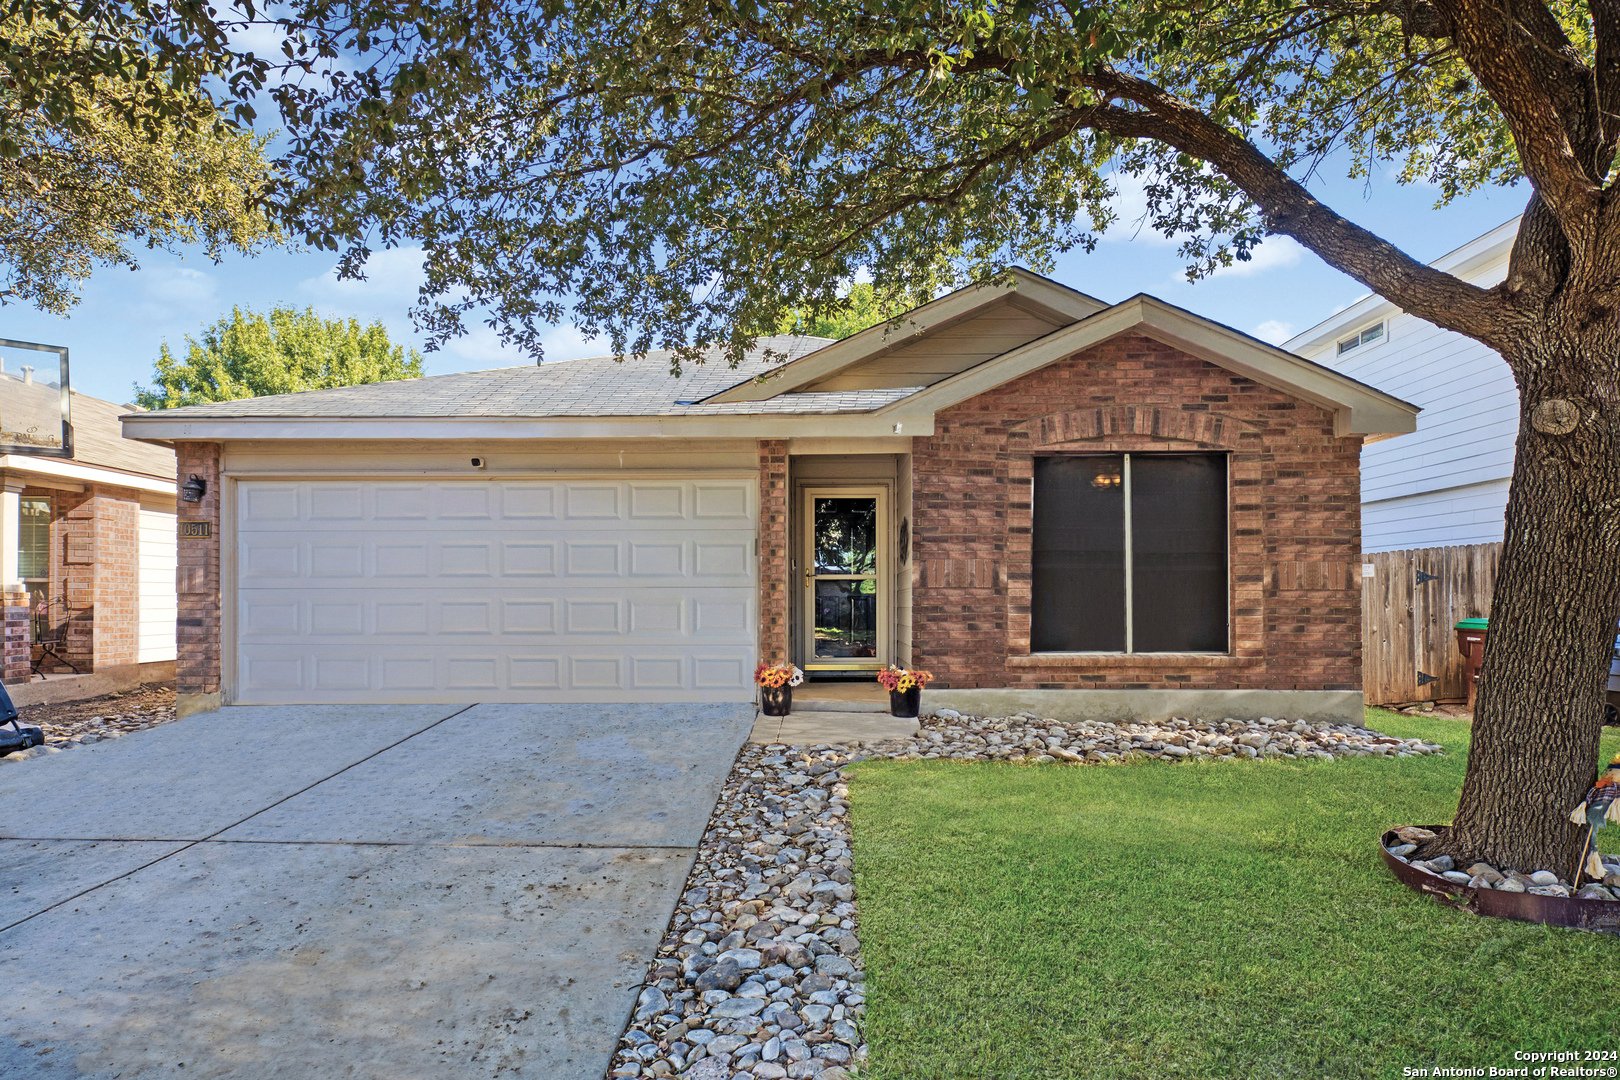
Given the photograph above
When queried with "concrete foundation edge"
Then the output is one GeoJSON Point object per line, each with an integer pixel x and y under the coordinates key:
{"type": "Point", "coordinates": [191, 704]}
{"type": "Point", "coordinates": [90, 684]}
{"type": "Point", "coordinates": [1139, 706]}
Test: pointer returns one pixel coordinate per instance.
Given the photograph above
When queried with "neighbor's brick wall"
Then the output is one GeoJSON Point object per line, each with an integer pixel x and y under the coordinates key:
{"type": "Point", "coordinates": [197, 668]}
{"type": "Point", "coordinates": [1295, 522]}
{"type": "Point", "coordinates": [14, 625]}
{"type": "Point", "coordinates": [95, 570]}
{"type": "Point", "coordinates": [773, 550]}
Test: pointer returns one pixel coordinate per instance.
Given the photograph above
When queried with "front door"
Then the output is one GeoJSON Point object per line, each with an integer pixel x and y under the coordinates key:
{"type": "Point", "coordinates": [845, 606]}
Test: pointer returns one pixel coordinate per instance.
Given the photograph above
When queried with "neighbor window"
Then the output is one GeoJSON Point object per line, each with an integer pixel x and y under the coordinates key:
{"type": "Point", "coordinates": [1129, 554]}
{"type": "Point", "coordinates": [34, 548]}
{"type": "Point", "coordinates": [1366, 337]}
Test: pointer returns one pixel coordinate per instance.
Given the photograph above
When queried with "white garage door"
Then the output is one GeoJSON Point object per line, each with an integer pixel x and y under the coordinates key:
{"type": "Point", "coordinates": [495, 590]}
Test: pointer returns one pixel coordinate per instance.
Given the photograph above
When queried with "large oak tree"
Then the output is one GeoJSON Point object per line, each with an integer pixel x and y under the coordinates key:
{"type": "Point", "coordinates": [678, 173]}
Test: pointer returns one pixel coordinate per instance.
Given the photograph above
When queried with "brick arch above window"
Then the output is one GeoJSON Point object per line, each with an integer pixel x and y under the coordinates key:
{"type": "Point", "coordinates": [1111, 422]}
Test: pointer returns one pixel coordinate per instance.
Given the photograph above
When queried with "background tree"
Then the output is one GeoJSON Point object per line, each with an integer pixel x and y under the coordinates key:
{"type": "Point", "coordinates": [854, 311]}
{"type": "Point", "coordinates": [78, 192]}
{"type": "Point", "coordinates": [246, 354]}
{"type": "Point", "coordinates": [680, 174]}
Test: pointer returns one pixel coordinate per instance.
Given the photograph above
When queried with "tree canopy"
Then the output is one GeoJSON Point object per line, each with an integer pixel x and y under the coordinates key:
{"type": "Point", "coordinates": [79, 192]}
{"type": "Point", "coordinates": [247, 354]}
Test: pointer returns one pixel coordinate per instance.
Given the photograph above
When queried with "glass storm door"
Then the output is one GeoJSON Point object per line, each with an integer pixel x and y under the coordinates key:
{"type": "Point", "coordinates": [845, 605]}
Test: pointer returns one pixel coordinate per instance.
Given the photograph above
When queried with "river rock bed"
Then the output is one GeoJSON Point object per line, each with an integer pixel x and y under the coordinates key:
{"type": "Point", "coordinates": [1484, 876]}
{"type": "Point", "coordinates": [1024, 737]}
{"type": "Point", "coordinates": [760, 973]}
{"type": "Point", "coordinates": [80, 723]}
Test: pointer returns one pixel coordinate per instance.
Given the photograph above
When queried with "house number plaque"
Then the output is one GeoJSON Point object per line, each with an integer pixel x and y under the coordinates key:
{"type": "Point", "coordinates": [191, 530]}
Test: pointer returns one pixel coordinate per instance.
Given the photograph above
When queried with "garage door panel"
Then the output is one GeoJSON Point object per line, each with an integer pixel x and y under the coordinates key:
{"type": "Point", "coordinates": [504, 505]}
{"type": "Point", "coordinates": [340, 616]}
{"type": "Point", "coordinates": [360, 561]}
{"type": "Point", "coordinates": [289, 674]}
{"type": "Point", "coordinates": [567, 590]}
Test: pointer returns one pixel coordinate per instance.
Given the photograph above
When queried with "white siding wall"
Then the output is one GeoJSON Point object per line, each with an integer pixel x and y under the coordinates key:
{"type": "Point", "coordinates": [1445, 483]}
{"type": "Point", "coordinates": [1462, 515]}
{"type": "Point", "coordinates": [157, 589]}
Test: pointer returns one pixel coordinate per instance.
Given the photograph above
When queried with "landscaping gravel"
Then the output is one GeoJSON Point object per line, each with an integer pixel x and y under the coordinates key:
{"type": "Point", "coordinates": [760, 974]}
{"type": "Point", "coordinates": [79, 723]}
{"type": "Point", "coordinates": [1484, 876]}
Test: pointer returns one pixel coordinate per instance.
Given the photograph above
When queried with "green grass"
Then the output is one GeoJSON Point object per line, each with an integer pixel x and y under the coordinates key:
{"type": "Point", "coordinates": [1163, 920]}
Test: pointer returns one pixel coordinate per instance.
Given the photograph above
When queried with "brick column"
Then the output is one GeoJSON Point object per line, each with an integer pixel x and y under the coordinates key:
{"type": "Point", "coordinates": [14, 662]}
{"type": "Point", "coordinates": [197, 669]}
{"type": "Point", "coordinates": [773, 550]}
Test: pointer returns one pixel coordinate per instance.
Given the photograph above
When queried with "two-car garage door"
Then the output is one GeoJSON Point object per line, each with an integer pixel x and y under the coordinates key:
{"type": "Point", "coordinates": [495, 590]}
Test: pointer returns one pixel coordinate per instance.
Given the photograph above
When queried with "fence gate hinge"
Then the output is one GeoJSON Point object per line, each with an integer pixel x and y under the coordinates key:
{"type": "Point", "coordinates": [1424, 577]}
{"type": "Point", "coordinates": [1425, 680]}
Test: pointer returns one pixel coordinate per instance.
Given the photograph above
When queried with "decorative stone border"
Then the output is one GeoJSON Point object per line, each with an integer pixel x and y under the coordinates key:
{"type": "Point", "coordinates": [1535, 903]}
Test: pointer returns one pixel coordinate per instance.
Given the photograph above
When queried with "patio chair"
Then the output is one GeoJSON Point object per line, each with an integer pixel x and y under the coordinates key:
{"type": "Point", "coordinates": [50, 634]}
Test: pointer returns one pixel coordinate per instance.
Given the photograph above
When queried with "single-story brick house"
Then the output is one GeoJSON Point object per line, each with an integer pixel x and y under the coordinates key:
{"type": "Point", "coordinates": [87, 544]}
{"type": "Point", "coordinates": [1039, 497]}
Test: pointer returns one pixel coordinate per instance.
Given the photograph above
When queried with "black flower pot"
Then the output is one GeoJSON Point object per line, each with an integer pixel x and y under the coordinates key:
{"type": "Point", "coordinates": [905, 702]}
{"type": "Point", "coordinates": [776, 701]}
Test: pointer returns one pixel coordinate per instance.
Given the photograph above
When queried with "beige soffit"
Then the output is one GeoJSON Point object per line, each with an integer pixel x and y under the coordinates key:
{"type": "Point", "coordinates": [1358, 409]}
{"type": "Point", "coordinates": [1058, 303]}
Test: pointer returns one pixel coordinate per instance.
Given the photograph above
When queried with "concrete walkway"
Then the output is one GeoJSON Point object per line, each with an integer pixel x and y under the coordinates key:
{"type": "Point", "coordinates": [390, 892]}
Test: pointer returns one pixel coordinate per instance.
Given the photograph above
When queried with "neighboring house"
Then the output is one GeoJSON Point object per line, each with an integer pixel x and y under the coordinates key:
{"type": "Point", "coordinates": [1047, 501]}
{"type": "Point", "coordinates": [1447, 483]}
{"type": "Point", "coordinates": [90, 537]}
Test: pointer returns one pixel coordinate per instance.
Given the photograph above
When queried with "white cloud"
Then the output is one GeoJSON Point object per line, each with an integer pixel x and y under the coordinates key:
{"type": "Point", "coordinates": [162, 284]}
{"type": "Point", "coordinates": [393, 277]}
{"type": "Point", "coordinates": [1275, 253]}
{"type": "Point", "coordinates": [1130, 203]}
{"type": "Point", "coordinates": [1275, 331]}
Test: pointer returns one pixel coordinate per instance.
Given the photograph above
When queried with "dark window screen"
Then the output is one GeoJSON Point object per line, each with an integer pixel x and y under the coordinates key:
{"type": "Point", "coordinates": [1077, 595]}
{"type": "Point", "coordinates": [1178, 552]}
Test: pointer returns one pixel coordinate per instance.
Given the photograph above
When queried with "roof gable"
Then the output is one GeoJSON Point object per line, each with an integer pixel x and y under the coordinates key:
{"type": "Point", "coordinates": [1358, 409]}
{"type": "Point", "coordinates": [942, 338]}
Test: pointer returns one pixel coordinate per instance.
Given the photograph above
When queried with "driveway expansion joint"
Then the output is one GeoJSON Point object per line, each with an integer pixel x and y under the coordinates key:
{"type": "Point", "coordinates": [193, 843]}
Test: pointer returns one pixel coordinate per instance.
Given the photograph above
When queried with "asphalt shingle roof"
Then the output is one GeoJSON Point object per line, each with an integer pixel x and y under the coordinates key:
{"type": "Point", "coordinates": [596, 386]}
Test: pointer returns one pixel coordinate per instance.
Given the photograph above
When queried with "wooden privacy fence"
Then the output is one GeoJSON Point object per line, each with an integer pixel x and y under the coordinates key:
{"type": "Point", "coordinates": [1408, 609]}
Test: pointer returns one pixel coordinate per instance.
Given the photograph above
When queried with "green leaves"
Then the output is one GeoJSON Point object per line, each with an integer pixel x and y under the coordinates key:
{"type": "Point", "coordinates": [246, 354]}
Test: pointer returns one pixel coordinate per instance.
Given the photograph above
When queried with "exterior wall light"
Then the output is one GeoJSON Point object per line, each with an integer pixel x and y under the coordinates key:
{"type": "Point", "coordinates": [193, 489]}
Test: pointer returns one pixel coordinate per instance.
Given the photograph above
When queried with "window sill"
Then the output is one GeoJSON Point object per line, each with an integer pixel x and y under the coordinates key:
{"type": "Point", "coordinates": [1135, 660]}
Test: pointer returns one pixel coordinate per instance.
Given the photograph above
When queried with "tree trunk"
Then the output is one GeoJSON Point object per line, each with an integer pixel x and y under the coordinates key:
{"type": "Point", "coordinates": [1539, 713]}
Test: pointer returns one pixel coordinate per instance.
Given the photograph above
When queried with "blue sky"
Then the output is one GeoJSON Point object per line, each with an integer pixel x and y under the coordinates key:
{"type": "Point", "coordinates": [115, 331]}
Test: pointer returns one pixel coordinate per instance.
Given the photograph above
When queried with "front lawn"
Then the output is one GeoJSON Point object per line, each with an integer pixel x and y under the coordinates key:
{"type": "Point", "coordinates": [1193, 920]}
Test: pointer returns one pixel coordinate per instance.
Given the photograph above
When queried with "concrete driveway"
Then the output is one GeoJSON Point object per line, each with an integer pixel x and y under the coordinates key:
{"type": "Point", "coordinates": [386, 891]}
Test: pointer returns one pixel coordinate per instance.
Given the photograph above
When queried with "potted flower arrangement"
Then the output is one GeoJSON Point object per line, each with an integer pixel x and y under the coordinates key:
{"type": "Point", "coordinates": [776, 683]}
{"type": "Point", "coordinates": [905, 689]}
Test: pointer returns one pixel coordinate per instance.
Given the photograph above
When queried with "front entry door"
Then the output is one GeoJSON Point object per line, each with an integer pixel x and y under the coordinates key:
{"type": "Point", "coordinates": [845, 604]}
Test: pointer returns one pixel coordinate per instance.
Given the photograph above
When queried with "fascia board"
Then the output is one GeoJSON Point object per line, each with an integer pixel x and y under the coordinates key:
{"type": "Point", "coordinates": [1057, 299]}
{"type": "Point", "coordinates": [90, 474]}
{"type": "Point", "coordinates": [1357, 409]}
{"type": "Point", "coordinates": [756, 426]}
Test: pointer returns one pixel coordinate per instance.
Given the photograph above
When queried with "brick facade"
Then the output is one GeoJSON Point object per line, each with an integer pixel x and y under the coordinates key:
{"type": "Point", "coordinates": [95, 575]}
{"type": "Point", "coordinates": [197, 669]}
{"type": "Point", "coordinates": [14, 644]}
{"type": "Point", "coordinates": [1294, 516]}
{"type": "Point", "coordinates": [773, 550]}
